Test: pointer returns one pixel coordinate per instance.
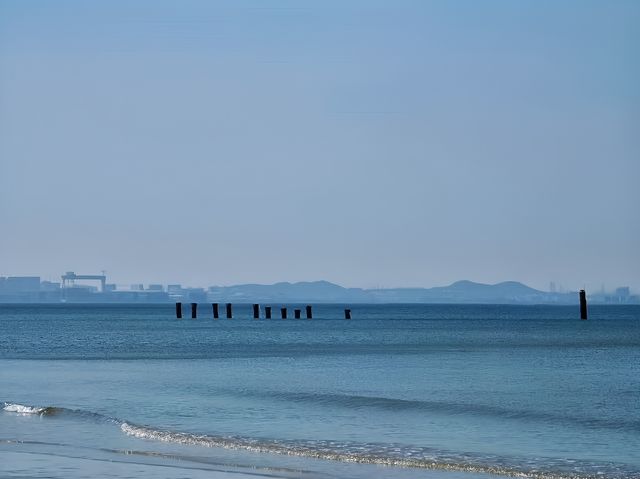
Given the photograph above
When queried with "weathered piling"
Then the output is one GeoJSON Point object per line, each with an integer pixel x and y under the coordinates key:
{"type": "Point", "coordinates": [179, 310]}
{"type": "Point", "coordinates": [283, 313]}
{"type": "Point", "coordinates": [229, 311]}
{"type": "Point", "coordinates": [296, 313]}
{"type": "Point", "coordinates": [309, 314]}
{"type": "Point", "coordinates": [256, 311]}
{"type": "Point", "coordinates": [347, 314]}
{"type": "Point", "coordinates": [583, 304]}
{"type": "Point", "coordinates": [267, 312]}
{"type": "Point", "coordinates": [216, 312]}
{"type": "Point", "coordinates": [194, 310]}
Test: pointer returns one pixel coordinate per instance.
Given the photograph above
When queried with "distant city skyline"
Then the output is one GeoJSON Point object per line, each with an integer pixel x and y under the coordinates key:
{"type": "Point", "coordinates": [392, 144]}
{"type": "Point", "coordinates": [106, 284]}
{"type": "Point", "coordinates": [200, 281]}
{"type": "Point", "coordinates": [31, 289]}
{"type": "Point", "coordinates": [549, 286]}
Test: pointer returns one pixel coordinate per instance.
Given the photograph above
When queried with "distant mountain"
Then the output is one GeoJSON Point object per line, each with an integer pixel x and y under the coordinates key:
{"type": "Point", "coordinates": [316, 291]}
{"type": "Point", "coordinates": [508, 292]}
{"type": "Point", "coordinates": [468, 291]}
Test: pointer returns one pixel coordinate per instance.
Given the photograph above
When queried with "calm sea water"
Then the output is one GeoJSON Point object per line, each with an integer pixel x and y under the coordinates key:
{"type": "Point", "coordinates": [399, 391]}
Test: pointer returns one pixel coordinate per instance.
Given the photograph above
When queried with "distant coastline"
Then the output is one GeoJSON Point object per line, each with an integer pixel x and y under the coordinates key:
{"type": "Point", "coordinates": [30, 289]}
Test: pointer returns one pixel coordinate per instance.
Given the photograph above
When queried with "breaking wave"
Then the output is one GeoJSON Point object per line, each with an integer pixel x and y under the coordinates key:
{"type": "Point", "coordinates": [386, 455]}
{"type": "Point", "coordinates": [394, 455]}
{"type": "Point", "coordinates": [57, 411]}
{"type": "Point", "coordinates": [22, 409]}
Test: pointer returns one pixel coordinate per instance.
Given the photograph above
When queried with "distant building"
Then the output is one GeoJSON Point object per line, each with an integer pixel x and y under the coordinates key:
{"type": "Point", "coordinates": [623, 292]}
{"type": "Point", "coordinates": [85, 287]}
{"type": "Point", "coordinates": [49, 286]}
{"type": "Point", "coordinates": [138, 297]}
{"type": "Point", "coordinates": [30, 289]}
{"type": "Point", "coordinates": [175, 292]}
{"type": "Point", "coordinates": [22, 284]}
{"type": "Point", "coordinates": [195, 295]}
{"type": "Point", "coordinates": [79, 294]}
{"type": "Point", "coordinates": [20, 289]}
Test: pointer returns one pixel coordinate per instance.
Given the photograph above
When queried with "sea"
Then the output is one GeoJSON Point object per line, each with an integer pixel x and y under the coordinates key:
{"type": "Point", "coordinates": [398, 391]}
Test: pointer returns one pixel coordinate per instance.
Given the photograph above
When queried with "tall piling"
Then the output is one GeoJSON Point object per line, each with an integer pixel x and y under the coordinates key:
{"type": "Point", "coordinates": [309, 314]}
{"type": "Point", "coordinates": [583, 304]}
{"type": "Point", "coordinates": [256, 311]}
{"type": "Point", "coordinates": [194, 310]}
{"type": "Point", "coordinates": [179, 310]}
{"type": "Point", "coordinates": [216, 312]}
{"type": "Point", "coordinates": [296, 313]}
{"type": "Point", "coordinates": [229, 311]}
{"type": "Point", "coordinates": [283, 313]}
{"type": "Point", "coordinates": [267, 312]}
{"type": "Point", "coordinates": [347, 314]}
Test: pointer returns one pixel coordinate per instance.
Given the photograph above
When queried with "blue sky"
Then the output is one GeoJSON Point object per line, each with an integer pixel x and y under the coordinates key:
{"type": "Point", "coordinates": [367, 143]}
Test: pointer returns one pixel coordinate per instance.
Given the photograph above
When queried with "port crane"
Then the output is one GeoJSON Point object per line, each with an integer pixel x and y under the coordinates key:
{"type": "Point", "coordinates": [69, 277]}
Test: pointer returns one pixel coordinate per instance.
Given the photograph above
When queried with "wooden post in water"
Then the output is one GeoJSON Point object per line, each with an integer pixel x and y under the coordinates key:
{"type": "Point", "coordinates": [229, 311]}
{"type": "Point", "coordinates": [283, 313]}
{"type": "Point", "coordinates": [347, 314]}
{"type": "Point", "coordinates": [296, 313]}
{"type": "Point", "coordinates": [194, 310]}
{"type": "Point", "coordinates": [179, 310]}
{"type": "Point", "coordinates": [309, 315]}
{"type": "Point", "coordinates": [267, 312]}
{"type": "Point", "coordinates": [216, 313]}
{"type": "Point", "coordinates": [583, 304]}
{"type": "Point", "coordinates": [256, 311]}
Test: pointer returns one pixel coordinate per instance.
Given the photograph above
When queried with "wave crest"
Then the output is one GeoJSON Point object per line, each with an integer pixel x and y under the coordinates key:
{"type": "Point", "coordinates": [423, 458]}
{"type": "Point", "coordinates": [379, 454]}
{"type": "Point", "coordinates": [22, 409]}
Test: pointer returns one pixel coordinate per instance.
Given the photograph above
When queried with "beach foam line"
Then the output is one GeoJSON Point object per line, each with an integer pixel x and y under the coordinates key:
{"type": "Point", "coordinates": [369, 454]}
{"type": "Point", "coordinates": [378, 454]}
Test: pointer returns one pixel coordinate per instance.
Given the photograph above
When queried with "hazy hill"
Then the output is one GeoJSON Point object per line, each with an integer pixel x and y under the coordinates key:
{"type": "Point", "coordinates": [326, 292]}
{"type": "Point", "coordinates": [316, 291]}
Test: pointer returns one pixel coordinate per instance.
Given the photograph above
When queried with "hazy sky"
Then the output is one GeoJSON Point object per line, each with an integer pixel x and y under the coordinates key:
{"type": "Point", "coordinates": [368, 143]}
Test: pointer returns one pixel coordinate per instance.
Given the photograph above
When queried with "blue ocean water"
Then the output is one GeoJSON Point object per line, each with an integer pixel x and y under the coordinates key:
{"type": "Point", "coordinates": [399, 391]}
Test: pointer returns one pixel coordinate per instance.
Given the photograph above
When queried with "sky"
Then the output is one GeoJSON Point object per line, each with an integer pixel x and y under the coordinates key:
{"type": "Point", "coordinates": [368, 143]}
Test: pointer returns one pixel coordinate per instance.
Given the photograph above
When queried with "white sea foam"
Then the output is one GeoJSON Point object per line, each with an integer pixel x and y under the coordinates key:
{"type": "Point", "coordinates": [319, 450]}
{"type": "Point", "coordinates": [330, 450]}
{"type": "Point", "coordinates": [22, 409]}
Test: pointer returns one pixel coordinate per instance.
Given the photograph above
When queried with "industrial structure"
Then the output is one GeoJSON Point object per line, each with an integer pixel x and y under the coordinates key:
{"type": "Point", "coordinates": [68, 279]}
